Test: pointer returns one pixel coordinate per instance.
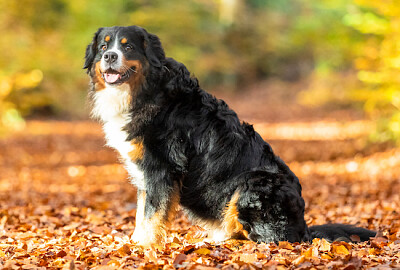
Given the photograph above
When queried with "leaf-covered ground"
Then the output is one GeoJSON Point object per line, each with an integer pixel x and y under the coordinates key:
{"type": "Point", "coordinates": [66, 203]}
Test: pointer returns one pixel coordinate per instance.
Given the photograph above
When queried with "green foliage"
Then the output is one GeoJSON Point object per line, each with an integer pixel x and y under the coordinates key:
{"type": "Point", "coordinates": [378, 64]}
{"type": "Point", "coordinates": [10, 118]}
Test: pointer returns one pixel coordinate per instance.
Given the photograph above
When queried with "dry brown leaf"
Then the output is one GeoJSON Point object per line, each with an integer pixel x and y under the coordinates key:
{"type": "Point", "coordinates": [52, 187]}
{"type": "Point", "coordinates": [179, 259]}
{"type": "Point", "coordinates": [248, 258]}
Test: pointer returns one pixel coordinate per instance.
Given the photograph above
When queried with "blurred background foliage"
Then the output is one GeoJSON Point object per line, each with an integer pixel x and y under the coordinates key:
{"type": "Point", "coordinates": [348, 50]}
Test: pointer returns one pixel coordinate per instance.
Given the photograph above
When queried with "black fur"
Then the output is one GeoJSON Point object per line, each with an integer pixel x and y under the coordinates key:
{"type": "Point", "coordinates": [91, 51]}
{"type": "Point", "coordinates": [196, 143]}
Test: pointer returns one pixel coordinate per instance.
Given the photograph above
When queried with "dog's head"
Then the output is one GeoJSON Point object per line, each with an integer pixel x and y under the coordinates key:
{"type": "Point", "coordinates": [122, 55]}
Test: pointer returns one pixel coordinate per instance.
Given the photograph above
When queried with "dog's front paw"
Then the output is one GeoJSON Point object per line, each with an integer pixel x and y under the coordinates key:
{"type": "Point", "coordinates": [145, 238]}
{"type": "Point", "coordinates": [140, 238]}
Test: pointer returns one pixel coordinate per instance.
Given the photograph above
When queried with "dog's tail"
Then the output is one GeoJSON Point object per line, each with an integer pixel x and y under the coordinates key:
{"type": "Point", "coordinates": [340, 232]}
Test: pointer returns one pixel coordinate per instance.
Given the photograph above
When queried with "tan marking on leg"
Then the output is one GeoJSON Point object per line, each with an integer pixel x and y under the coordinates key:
{"type": "Point", "coordinates": [153, 230]}
{"type": "Point", "coordinates": [137, 152]}
{"type": "Point", "coordinates": [233, 228]}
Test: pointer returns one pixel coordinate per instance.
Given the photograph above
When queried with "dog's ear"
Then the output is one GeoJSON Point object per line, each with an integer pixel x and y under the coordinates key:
{"type": "Point", "coordinates": [91, 51]}
{"type": "Point", "coordinates": [153, 49]}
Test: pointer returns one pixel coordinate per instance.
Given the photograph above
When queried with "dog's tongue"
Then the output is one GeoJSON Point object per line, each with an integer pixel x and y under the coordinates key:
{"type": "Point", "coordinates": [111, 77]}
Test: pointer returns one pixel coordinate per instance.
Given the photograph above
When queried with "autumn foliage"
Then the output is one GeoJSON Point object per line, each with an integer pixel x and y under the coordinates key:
{"type": "Point", "coordinates": [66, 202]}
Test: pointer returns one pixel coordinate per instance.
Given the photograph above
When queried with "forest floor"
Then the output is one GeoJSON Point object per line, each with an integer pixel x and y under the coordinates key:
{"type": "Point", "coordinates": [66, 202]}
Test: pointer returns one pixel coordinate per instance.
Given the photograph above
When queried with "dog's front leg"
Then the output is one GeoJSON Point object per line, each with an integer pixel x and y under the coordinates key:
{"type": "Point", "coordinates": [155, 208]}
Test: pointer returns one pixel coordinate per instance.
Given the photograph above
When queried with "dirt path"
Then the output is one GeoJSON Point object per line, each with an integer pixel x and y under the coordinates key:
{"type": "Point", "coordinates": [66, 203]}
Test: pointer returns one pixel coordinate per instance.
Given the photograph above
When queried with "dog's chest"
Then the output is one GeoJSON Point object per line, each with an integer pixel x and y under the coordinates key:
{"type": "Point", "coordinates": [111, 106]}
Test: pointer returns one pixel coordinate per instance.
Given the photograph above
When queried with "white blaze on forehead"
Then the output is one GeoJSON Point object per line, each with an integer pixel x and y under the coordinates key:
{"type": "Point", "coordinates": [113, 48]}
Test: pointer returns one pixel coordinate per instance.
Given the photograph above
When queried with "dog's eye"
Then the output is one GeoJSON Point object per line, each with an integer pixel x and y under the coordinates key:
{"type": "Point", "coordinates": [128, 47]}
{"type": "Point", "coordinates": [104, 47]}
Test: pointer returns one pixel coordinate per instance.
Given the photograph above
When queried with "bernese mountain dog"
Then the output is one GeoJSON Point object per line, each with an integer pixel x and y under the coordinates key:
{"type": "Point", "coordinates": [183, 147]}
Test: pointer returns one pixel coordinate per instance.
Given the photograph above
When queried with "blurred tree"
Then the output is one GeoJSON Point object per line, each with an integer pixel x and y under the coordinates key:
{"type": "Point", "coordinates": [226, 43]}
{"type": "Point", "coordinates": [378, 63]}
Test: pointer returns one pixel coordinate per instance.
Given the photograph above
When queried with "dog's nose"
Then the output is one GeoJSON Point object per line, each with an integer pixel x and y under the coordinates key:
{"type": "Point", "coordinates": [110, 57]}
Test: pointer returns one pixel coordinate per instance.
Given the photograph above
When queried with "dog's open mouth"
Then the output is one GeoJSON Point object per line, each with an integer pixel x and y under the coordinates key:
{"type": "Point", "coordinates": [112, 76]}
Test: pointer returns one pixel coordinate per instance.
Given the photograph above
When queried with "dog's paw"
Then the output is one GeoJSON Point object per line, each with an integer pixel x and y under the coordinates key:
{"type": "Point", "coordinates": [141, 238]}
{"type": "Point", "coordinates": [146, 237]}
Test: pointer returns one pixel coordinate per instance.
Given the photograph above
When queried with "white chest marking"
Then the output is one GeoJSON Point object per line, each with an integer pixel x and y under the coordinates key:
{"type": "Point", "coordinates": [111, 108]}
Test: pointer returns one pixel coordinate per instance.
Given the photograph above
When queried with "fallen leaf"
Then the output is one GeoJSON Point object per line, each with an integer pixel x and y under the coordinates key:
{"type": "Point", "coordinates": [179, 259]}
{"type": "Point", "coordinates": [340, 249]}
{"type": "Point", "coordinates": [202, 251]}
{"type": "Point", "coordinates": [248, 258]}
{"type": "Point", "coordinates": [324, 246]}
{"type": "Point", "coordinates": [151, 255]}
{"type": "Point", "coordinates": [355, 238]}
{"type": "Point", "coordinates": [285, 245]}
{"type": "Point", "coordinates": [299, 260]}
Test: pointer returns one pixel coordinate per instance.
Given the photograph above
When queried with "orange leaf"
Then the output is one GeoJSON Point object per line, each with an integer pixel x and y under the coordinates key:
{"type": "Point", "coordinates": [326, 256]}
{"type": "Point", "coordinates": [124, 250]}
{"type": "Point", "coordinates": [299, 260]}
{"type": "Point", "coordinates": [285, 245]}
{"type": "Point", "coordinates": [307, 253]}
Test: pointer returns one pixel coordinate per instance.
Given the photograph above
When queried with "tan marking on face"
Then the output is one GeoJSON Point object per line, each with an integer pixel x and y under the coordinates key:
{"type": "Point", "coordinates": [98, 79]}
{"type": "Point", "coordinates": [137, 152]}
{"type": "Point", "coordinates": [137, 78]}
{"type": "Point", "coordinates": [230, 223]}
{"type": "Point", "coordinates": [124, 40]}
{"type": "Point", "coordinates": [107, 38]}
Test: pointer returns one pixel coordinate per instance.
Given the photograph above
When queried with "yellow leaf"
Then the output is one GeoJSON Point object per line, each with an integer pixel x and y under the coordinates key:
{"type": "Point", "coordinates": [340, 249]}
{"type": "Point", "coordinates": [175, 245]}
{"type": "Point", "coordinates": [202, 251]}
{"type": "Point", "coordinates": [324, 245]}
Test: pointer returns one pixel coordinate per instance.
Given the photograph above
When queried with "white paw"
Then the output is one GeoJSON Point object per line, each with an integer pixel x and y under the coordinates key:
{"type": "Point", "coordinates": [141, 238]}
